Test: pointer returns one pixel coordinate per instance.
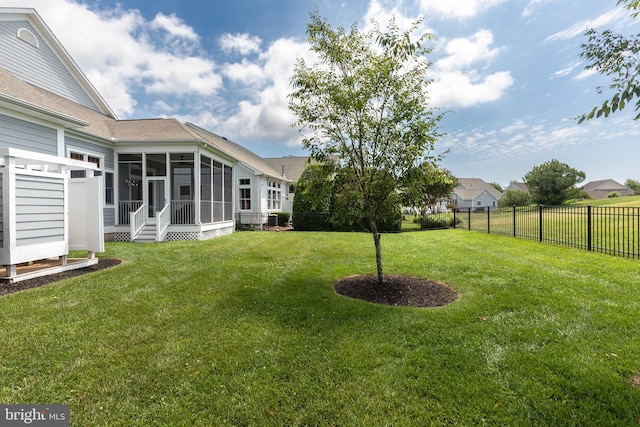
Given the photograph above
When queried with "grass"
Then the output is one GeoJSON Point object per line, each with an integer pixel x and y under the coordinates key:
{"type": "Point", "coordinates": [246, 330]}
{"type": "Point", "coordinates": [628, 201]}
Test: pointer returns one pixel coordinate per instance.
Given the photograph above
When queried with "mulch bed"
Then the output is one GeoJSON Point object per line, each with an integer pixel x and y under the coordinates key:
{"type": "Point", "coordinates": [7, 288]}
{"type": "Point", "coordinates": [397, 290]}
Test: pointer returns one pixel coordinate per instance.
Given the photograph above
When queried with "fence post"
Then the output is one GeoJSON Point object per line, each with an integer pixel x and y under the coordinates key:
{"type": "Point", "coordinates": [540, 221]}
{"type": "Point", "coordinates": [589, 228]}
{"type": "Point", "coordinates": [488, 220]}
{"type": "Point", "coordinates": [514, 220]}
{"type": "Point", "coordinates": [469, 218]}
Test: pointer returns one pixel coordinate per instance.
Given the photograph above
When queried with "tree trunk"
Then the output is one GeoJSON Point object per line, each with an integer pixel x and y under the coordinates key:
{"type": "Point", "coordinates": [376, 241]}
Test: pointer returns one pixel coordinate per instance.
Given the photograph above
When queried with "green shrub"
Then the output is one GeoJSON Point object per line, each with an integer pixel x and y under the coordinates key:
{"type": "Point", "coordinates": [613, 195]}
{"type": "Point", "coordinates": [515, 198]}
{"type": "Point", "coordinates": [430, 222]}
{"type": "Point", "coordinates": [283, 218]}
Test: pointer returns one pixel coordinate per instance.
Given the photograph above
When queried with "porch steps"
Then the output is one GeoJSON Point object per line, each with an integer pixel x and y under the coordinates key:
{"type": "Point", "coordinates": [147, 235]}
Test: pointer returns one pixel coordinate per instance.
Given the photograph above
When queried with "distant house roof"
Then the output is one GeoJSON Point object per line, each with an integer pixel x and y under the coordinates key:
{"type": "Point", "coordinates": [518, 186]}
{"type": "Point", "coordinates": [291, 166]}
{"type": "Point", "coordinates": [470, 188]}
{"type": "Point", "coordinates": [602, 188]}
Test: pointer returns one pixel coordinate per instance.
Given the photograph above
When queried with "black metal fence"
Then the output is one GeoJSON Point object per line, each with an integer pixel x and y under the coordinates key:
{"type": "Point", "coordinates": [609, 230]}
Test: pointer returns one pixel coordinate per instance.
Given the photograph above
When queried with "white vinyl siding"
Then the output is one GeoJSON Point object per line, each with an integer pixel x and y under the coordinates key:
{"type": "Point", "coordinates": [38, 65]}
{"type": "Point", "coordinates": [29, 136]}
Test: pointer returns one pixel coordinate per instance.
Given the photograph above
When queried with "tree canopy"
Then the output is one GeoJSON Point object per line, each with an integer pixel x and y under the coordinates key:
{"type": "Point", "coordinates": [617, 56]}
{"type": "Point", "coordinates": [553, 182]}
{"type": "Point", "coordinates": [427, 184]}
{"type": "Point", "coordinates": [365, 104]}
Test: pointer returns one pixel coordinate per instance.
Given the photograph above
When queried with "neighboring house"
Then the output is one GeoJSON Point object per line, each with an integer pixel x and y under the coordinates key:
{"type": "Point", "coordinates": [291, 168]}
{"type": "Point", "coordinates": [475, 193]}
{"type": "Point", "coordinates": [517, 186]}
{"type": "Point", "coordinates": [601, 189]}
{"type": "Point", "coordinates": [158, 179]}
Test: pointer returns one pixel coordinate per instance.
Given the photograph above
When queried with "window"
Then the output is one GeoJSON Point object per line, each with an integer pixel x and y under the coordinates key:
{"type": "Point", "coordinates": [274, 195]}
{"type": "Point", "coordinates": [108, 182]}
{"type": "Point", "coordinates": [245, 194]}
{"type": "Point", "coordinates": [479, 203]}
{"type": "Point", "coordinates": [108, 188]}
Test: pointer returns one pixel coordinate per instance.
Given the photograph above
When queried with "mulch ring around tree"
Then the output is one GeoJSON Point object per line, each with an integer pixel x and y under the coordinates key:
{"type": "Point", "coordinates": [397, 290]}
{"type": "Point", "coordinates": [7, 288]}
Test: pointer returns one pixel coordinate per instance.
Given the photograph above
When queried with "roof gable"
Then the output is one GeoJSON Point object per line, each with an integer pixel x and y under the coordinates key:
{"type": "Point", "coordinates": [604, 184]}
{"type": "Point", "coordinates": [39, 59]}
{"type": "Point", "coordinates": [476, 184]}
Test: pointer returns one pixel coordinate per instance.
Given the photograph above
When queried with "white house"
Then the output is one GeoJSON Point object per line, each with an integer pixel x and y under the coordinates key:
{"type": "Point", "coordinates": [475, 193]}
{"type": "Point", "coordinates": [159, 179]}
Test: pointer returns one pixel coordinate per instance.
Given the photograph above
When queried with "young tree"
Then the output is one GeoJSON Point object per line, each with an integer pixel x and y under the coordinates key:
{"type": "Point", "coordinates": [365, 103]}
{"type": "Point", "coordinates": [425, 185]}
{"type": "Point", "coordinates": [618, 56]}
{"type": "Point", "coordinates": [553, 182]}
{"type": "Point", "coordinates": [497, 186]}
{"type": "Point", "coordinates": [634, 185]}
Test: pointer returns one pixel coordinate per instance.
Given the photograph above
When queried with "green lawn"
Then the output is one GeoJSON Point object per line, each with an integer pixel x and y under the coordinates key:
{"type": "Point", "coordinates": [246, 330]}
{"type": "Point", "coordinates": [629, 201]}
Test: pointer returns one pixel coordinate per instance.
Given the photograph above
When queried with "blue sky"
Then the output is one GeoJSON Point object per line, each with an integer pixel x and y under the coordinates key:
{"type": "Point", "coordinates": [507, 72]}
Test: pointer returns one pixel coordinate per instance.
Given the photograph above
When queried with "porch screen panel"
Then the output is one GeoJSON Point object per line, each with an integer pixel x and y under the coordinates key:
{"type": "Point", "coordinates": [182, 189]}
{"type": "Point", "coordinates": [129, 185]}
{"type": "Point", "coordinates": [218, 212]}
{"type": "Point", "coordinates": [228, 193]}
{"type": "Point", "coordinates": [1, 214]}
{"type": "Point", "coordinates": [206, 189]}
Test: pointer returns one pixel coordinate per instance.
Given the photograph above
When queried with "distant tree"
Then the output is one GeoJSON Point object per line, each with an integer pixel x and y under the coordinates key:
{"type": "Point", "coordinates": [425, 185]}
{"type": "Point", "coordinates": [515, 198]}
{"type": "Point", "coordinates": [366, 104]}
{"type": "Point", "coordinates": [618, 56]}
{"type": "Point", "coordinates": [553, 182]}
{"type": "Point", "coordinates": [312, 201]}
{"type": "Point", "coordinates": [497, 186]}
{"type": "Point", "coordinates": [633, 184]}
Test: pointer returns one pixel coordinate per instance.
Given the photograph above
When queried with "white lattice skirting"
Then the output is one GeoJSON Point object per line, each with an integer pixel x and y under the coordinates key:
{"type": "Point", "coordinates": [122, 236]}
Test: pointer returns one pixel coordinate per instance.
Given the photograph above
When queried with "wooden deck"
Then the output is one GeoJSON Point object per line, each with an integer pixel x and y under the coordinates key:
{"type": "Point", "coordinates": [46, 267]}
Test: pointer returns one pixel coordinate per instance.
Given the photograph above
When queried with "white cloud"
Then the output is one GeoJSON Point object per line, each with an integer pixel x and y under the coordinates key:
{"type": "Point", "coordinates": [381, 15]}
{"type": "Point", "coordinates": [585, 74]}
{"type": "Point", "coordinates": [267, 115]}
{"type": "Point", "coordinates": [566, 70]}
{"type": "Point", "coordinates": [245, 72]}
{"type": "Point", "coordinates": [533, 4]}
{"type": "Point", "coordinates": [174, 26]}
{"type": "Point", "coordinates": [118, 53]}
{"type": "Point", "coordinates": [611, 17]}
{"type": "Point", "coordinates": [457, 82]}
{"type": "Point", "coordinates": [243, 43]}
{"type": "Point", "coordinates": [457, 89]}
{"type": "Point", "coordinates": [457, 9]}
{"type": "Point", "coordinates": [463, 52]}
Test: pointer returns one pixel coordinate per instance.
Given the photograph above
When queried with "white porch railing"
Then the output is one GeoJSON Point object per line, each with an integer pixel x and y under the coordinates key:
{"type": "Point", "coordinates": [125, 208]}
{"type": "Point", "coordinates": [183, 212]}
{"type": "Point", "coordinates": [163, 219]}
{"type": "Point", "coordinates": [136, 222]}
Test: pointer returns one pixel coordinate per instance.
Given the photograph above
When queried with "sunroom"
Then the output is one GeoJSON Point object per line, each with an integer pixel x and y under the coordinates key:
{"type": "Point", "coordinates": [173, 194]}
